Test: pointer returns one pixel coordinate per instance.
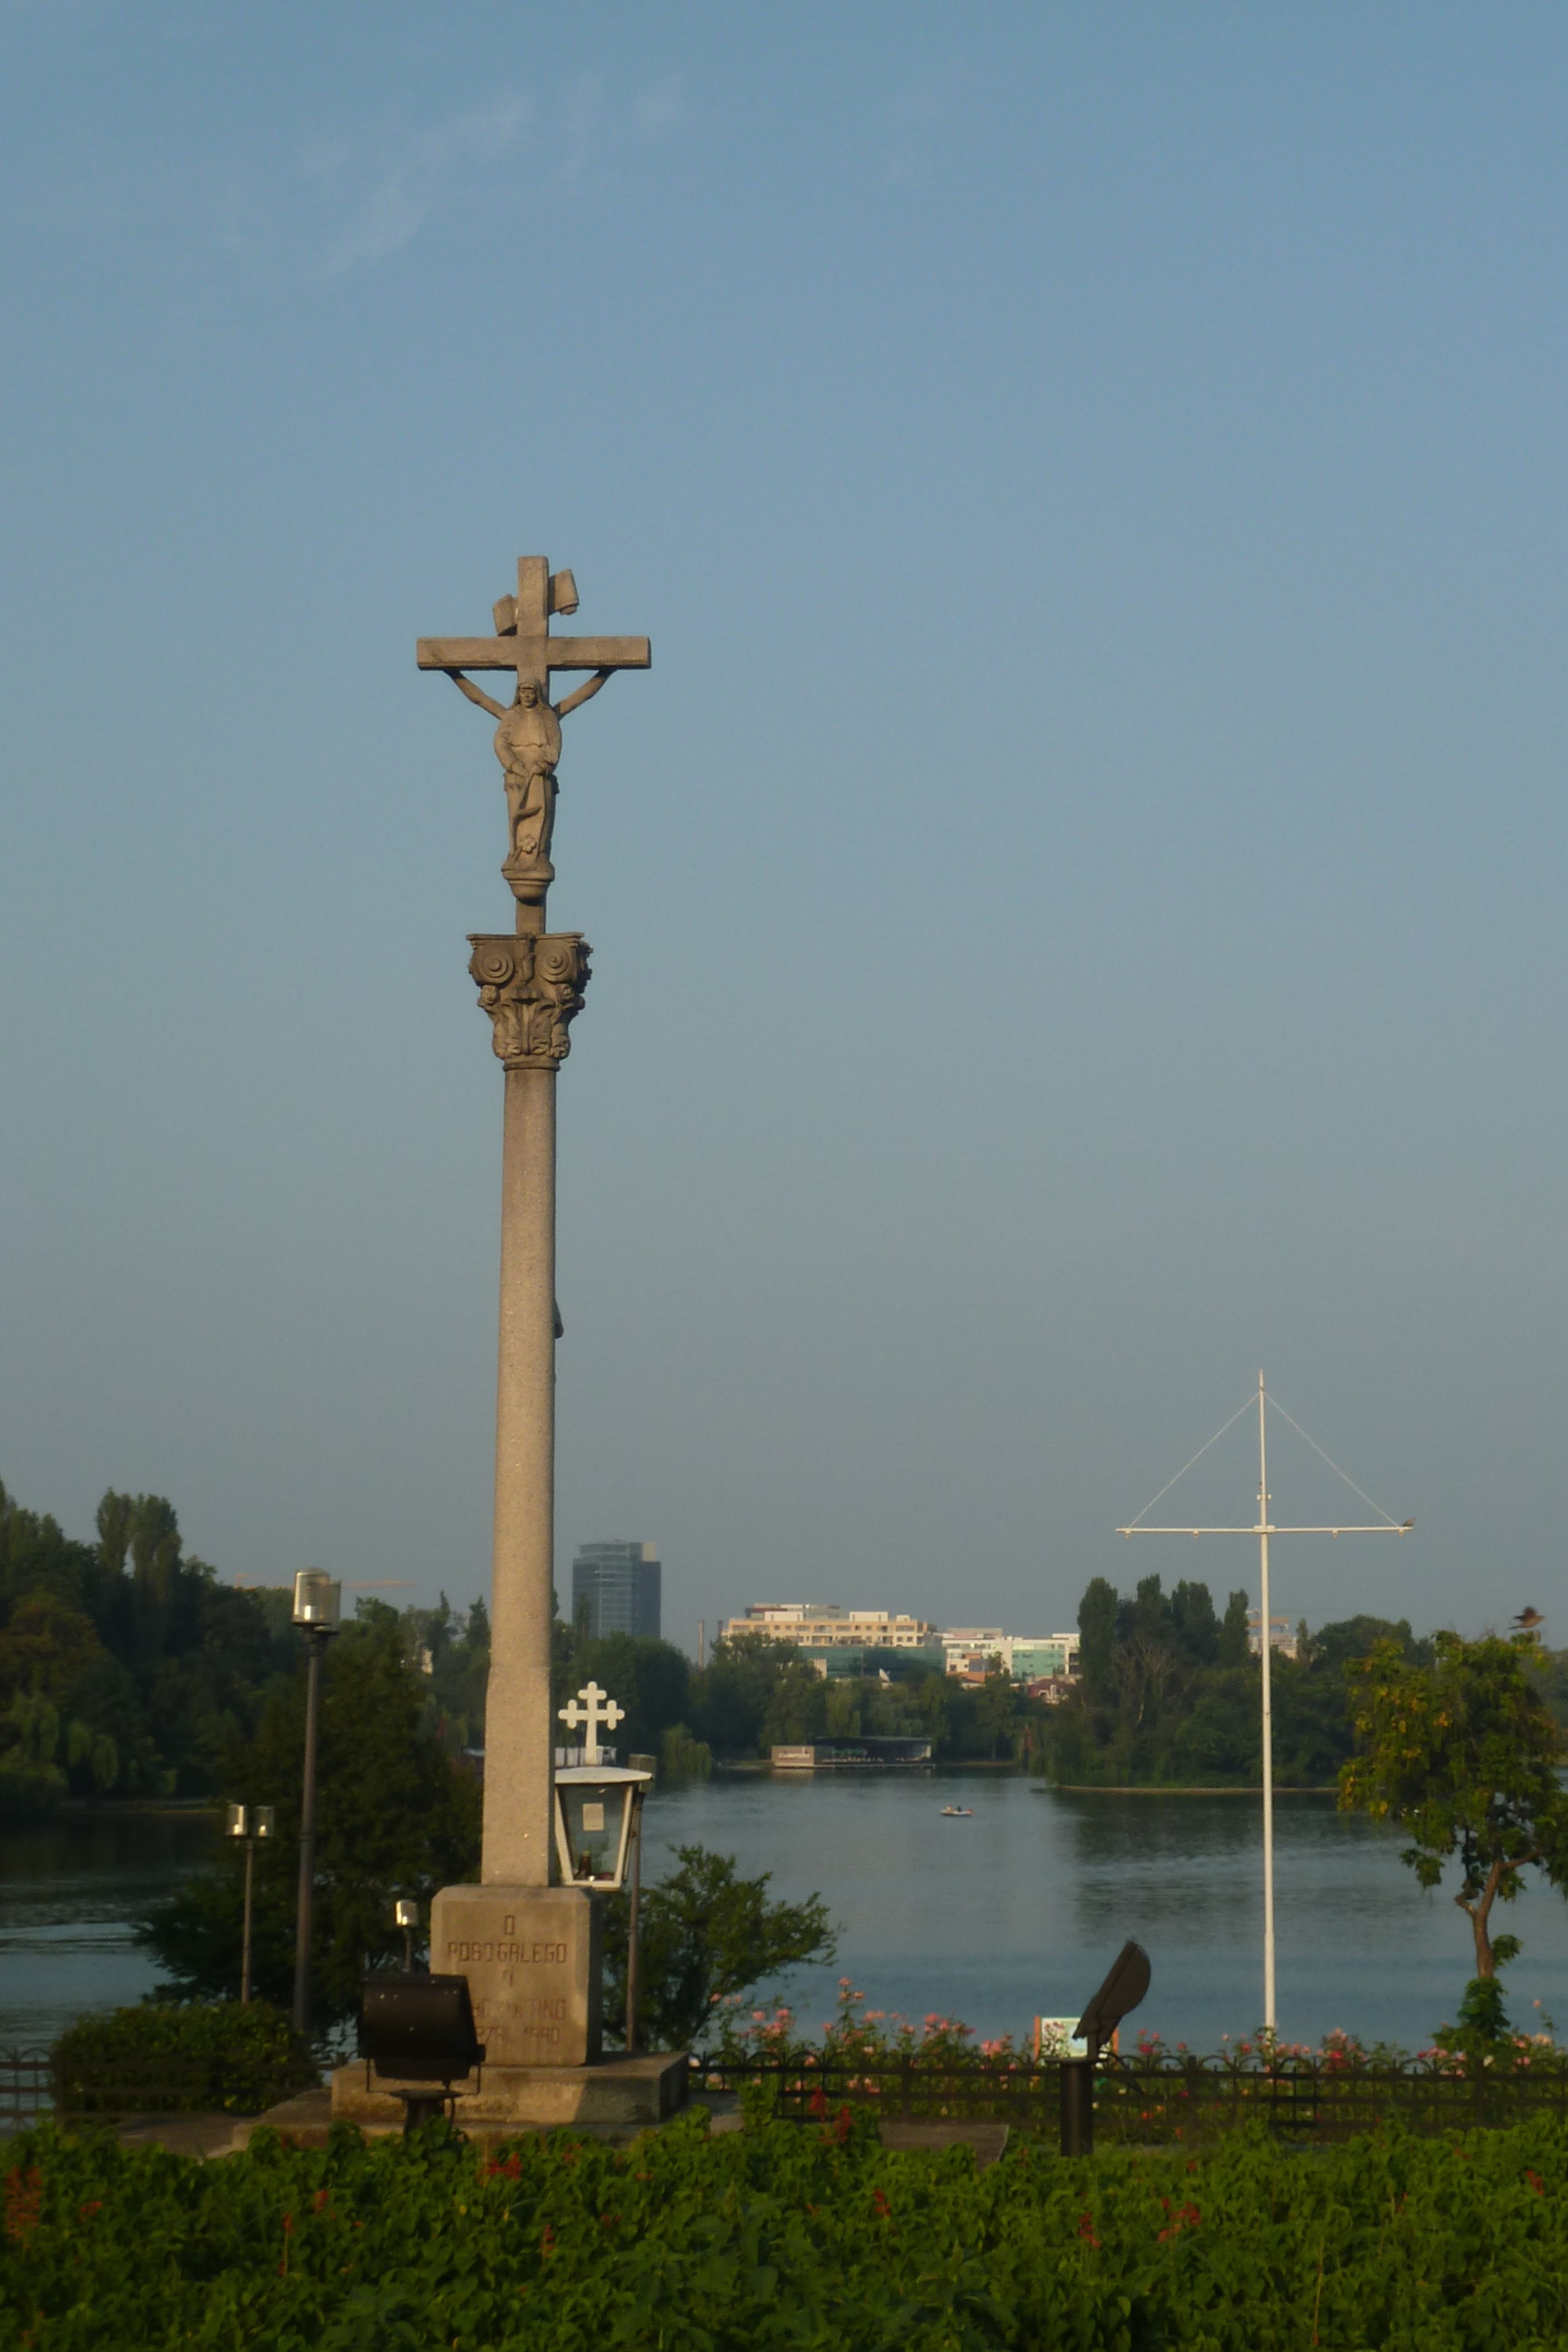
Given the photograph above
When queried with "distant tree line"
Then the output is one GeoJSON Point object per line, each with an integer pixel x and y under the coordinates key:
{"type": "Point", "coordinates": [757, 1692]}
{"type": "Point", "coordinates": [126, 1669]}
{"type": "Point", "coordinates": [1168, 1694]}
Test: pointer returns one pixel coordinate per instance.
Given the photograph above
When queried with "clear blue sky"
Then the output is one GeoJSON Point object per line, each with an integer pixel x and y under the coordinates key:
{"type": "Point", "coordinates": [1078, 902]}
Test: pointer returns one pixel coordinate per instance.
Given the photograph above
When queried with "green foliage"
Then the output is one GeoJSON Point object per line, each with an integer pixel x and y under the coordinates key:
{"type": "Point", "coordinates": [167, 2057]}
{"type": "Point", "coordinates": [815, 2238]}
{"type": "Point", "coordinates": [682, 1758]}
{"type": "Point", "coordinates": [759, 1691]}
{"type": "Point", "coordinates": [1465, 1755]}
{"type": "Point", "coordinates": [704, 1933]}
{"type": "Point", "coordinates": [153, 1670]}
{"type": "Point", "coordinates": [650, 1679]}
{"type": "Point", "coordinates": [1168, 1694]}
{"type": "Point", "coordinates": [395, 1815]}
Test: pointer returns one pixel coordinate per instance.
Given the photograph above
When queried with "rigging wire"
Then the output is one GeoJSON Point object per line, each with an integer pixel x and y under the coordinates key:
{"type": "Point", "coordinates": [1203, 1449]}
{"type": "Point", "coordinates": [1329, 1458]}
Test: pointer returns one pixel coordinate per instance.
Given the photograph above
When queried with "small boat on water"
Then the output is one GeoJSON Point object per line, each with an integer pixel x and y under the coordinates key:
{"type": "Point", "coordinates": [958, 1812]}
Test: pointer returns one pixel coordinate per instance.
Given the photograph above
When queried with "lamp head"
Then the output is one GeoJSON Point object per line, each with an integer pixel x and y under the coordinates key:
{"type": "Point", "coordinates": [318, 1600]}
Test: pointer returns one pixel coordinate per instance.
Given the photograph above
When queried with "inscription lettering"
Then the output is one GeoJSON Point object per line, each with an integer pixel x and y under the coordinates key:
{"type": "Point", "coordinates": [541, 1953]}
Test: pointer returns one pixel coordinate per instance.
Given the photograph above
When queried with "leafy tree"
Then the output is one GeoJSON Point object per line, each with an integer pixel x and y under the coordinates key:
{"type": "Point", "coordinates": [703, 1933]}
{"type": "Point", "coordinates": [46, 1647]}
{"type": "Point", "coordinates": [395, 1815]}
{"type": "Point", "coordinates": [997, 1712]}
{"type": "Point", "coordinates": [1097, 1614]}
{"type": "Point", "coordinates": [755, 1690]}
{"type": "Point", "coordinates": [1233, 1648]}
{"type": "Point", "coordinates": [1465, 1755]}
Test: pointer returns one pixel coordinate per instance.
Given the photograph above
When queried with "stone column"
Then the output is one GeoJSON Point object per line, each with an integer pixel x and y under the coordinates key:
{"type": "Point", "coordinates": [529, 1950]}
{"type": "Point", "coordinates": [518, 1741]}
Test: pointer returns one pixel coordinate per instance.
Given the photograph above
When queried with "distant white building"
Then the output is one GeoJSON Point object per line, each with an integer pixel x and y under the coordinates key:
{"type": "Point", "coordinates": [823, 1625]}
{"type": "Point", "coordinates": [1027, 1657]}
{"type": "Point", "coordinates": [1281, 1636]}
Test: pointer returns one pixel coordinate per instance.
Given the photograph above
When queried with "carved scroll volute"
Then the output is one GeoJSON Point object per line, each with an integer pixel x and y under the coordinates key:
{"type": "Point", "coordinates": [531, 987]}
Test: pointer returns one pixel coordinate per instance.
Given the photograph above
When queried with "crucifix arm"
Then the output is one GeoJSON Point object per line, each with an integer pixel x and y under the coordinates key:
{"type": "Point", "coordinates": [570, 701]}
{"type": "Point", "coordinates": [475, 694]}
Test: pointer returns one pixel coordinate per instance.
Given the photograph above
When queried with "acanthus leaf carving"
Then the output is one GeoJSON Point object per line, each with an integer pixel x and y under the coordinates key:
{"type": "Point", "coordinates": [532, 986]}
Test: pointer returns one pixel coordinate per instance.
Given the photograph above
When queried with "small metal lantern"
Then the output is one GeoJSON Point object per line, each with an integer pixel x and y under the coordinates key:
{"type": "Point", "coordinates": [595, 1801]}
{"type": "Point", "coordinates": [595, 1806]}
{"type": "Point", "coordinates": [318, 1600]}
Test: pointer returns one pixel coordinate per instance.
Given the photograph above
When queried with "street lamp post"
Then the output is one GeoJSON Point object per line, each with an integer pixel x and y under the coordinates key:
{"type": "Point", "coordinates": [249, 1822]}
{"type": "Point", "coordinates": [318, 1604]}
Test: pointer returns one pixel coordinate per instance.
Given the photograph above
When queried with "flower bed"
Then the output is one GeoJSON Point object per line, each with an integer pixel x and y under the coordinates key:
{"type": "Point", "coordinates": [1154, 2094]}
{"type": "Point", "coordinates": [778, 2236]}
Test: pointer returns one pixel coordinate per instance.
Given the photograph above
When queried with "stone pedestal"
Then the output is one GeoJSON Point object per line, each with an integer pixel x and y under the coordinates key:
{"type": "Point", "coordinates": [617, 2097]}
{"type": "Point", "coordinates": [531, 1956]}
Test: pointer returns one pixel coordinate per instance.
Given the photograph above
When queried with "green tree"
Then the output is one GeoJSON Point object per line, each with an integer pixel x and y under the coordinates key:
{"type": "Point", "coordinates": [704, 1933]}
{"type": "Point", "coordinates": [756, 1689]}
{"type": "Point", "coordinates": [1233, 1647]}
{"type": "Point", "coordinates": [997, 1712]}
{"type": "Point", "coordinates": [395, 1815]}
{"type": "Point", "coordinates": [1465, 1756]}
{"type": "Point", "coordinates": [1097, 1614]}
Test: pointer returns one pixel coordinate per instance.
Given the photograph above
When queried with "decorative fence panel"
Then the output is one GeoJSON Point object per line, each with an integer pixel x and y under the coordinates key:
{"type": "Point", "coordinates": [31, 2090]}
{"type": "Point", "coordinates": [1141, 2102]}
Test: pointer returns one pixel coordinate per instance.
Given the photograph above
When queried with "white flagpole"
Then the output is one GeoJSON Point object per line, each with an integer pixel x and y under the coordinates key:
{"type": "Point", "coordinates": [1263, 1530]}
{"type": "Point", "coordinates": [1269, 2018]}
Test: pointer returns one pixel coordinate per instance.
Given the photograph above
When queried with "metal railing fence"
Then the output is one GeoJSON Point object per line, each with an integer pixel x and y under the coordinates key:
{"type": "Point", "coordinates": [1142, 2101]}
{"type": "Point", "coordinates": [33, 2090]}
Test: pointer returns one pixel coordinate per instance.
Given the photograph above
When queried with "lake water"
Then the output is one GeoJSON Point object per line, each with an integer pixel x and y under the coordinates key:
{"type": "Point", "coordinates": [1013, 1914]}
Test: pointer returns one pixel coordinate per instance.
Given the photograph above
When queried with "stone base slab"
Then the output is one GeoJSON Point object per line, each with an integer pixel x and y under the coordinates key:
{"type": "Point", "coordinates": [498, 2102]}
{"type": "Point", "coordinates": [532, 1956]}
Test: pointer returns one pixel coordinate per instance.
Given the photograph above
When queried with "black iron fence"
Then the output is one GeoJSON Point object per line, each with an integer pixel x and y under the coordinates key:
{"type": "Point", "coordinates": [32, 2088]}
{"type": "Point", "coordinates": [1140, 2102]}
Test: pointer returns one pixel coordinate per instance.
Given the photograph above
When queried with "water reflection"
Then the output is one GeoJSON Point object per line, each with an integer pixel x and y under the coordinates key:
{"type": "Point", "coordinates": [70, 1888]}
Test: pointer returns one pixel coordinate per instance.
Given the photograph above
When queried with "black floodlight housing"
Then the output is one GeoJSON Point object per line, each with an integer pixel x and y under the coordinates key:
{"type": "Point", "coordinates": [1122, 1990]}
{"type": "Point", "coordinates": [417, 2029]}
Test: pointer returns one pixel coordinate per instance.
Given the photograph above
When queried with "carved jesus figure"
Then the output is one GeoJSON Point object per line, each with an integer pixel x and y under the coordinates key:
{"type": "Point", "coordinates": [528, 745]}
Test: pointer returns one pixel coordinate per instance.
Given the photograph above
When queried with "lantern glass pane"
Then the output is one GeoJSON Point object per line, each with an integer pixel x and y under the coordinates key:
{"type": "Point", "coordinates": [593, 1830]}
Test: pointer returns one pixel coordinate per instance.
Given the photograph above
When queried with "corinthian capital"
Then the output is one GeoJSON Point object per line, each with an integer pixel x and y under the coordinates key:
{"type": "Point", "coordinates": [531, 987]}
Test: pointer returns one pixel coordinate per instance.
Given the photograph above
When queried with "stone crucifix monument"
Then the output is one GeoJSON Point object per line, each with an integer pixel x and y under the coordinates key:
{"type": "Point", "coordinates": [530, 1950]}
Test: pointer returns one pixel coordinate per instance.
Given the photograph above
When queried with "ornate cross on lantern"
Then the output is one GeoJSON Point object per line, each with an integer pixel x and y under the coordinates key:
{"type": "Point", "coordinates": [597, 1707]}
{"type": "Point", "coordinates": [528, 740]}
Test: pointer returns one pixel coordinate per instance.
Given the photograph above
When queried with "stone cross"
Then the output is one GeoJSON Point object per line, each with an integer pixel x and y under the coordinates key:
{"type": "Point", "coordinates": [528, 740]}
{"type": "Point", "coordinates": [592, 1713]}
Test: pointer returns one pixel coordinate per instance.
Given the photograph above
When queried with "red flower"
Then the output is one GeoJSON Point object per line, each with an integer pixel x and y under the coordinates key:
{"type": "Point", "coordinates": [1086, 2230]}
{"type": "Point", "coordinates": [879, 2201]}
{"type": "Point", "coordinates": [547, 2243]}
{"type": "Point", "coordinates": [23, 2203]}
{"type": "Point", "coordinates": [511, 2168]}
{"type": "Point", "coordinates": [1536, 2182]}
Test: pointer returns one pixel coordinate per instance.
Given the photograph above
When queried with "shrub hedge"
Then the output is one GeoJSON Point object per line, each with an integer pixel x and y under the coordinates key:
{"type": "Point", "coordinates": [180, 2057]}
{"type": "Point", "coordinates": [784, 2236]}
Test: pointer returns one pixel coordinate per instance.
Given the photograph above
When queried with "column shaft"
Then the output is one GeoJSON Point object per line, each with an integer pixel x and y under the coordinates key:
{"type": "Point", "coordinates": [518, 1727]}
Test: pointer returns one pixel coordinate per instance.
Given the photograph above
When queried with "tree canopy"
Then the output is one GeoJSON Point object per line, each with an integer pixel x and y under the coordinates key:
{"type": "Point", "coordinates": [395, 1814]}
{"type": "Point", "coordinates": [704, 1932]}
{"type": "Point", "coordinates": [1463, 1752]}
